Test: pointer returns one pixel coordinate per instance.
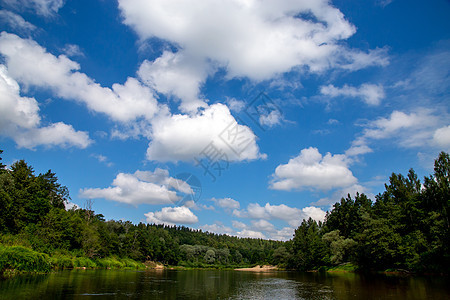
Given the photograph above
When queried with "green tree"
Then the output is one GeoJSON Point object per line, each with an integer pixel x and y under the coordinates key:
{"type": "Point", "coordinates": [210, 256]}
{"type": "Point", "coordinates": [309, 250]}
{"type": "Point", "coordinates": [341, 248]}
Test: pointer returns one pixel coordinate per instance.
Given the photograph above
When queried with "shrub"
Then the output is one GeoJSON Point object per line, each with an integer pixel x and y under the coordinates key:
{"type": "Point", "coordinates": [23, 259]}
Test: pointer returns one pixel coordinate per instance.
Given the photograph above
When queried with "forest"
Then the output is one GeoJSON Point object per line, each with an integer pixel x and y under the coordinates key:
{"type": "Point", "coordinates": [405, 228]}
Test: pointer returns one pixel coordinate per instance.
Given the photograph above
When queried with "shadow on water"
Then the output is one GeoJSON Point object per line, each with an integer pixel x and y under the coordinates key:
{"type": "Point", "coordinates": [220, 284]}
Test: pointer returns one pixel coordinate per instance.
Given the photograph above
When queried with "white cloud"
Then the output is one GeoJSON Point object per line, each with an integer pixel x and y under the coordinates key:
{"type": "Point", "coordinates": [44, 8]}
{"type": "Point", "coordinates": [398, 121]}
{"type": "Point", "coordinates": [217, 228]}
{"type": "Point", "coordinates": [132, 104]}
{"type": "Point", "coordinates": [357, 60]}
{"type": "Point", "coordinates": [333, 122]}
{"type": "Point", "coordinates": [420, 128]}
{"type": "Point", "coordinates": [263, 225]}
{"type": "Point", "coordinates": [312, 170]}
{"type": "Point", "coordinates": [103, 159]}
{"type": "Point", "coordinates": [55, 134]}
{"type": "Point", "coordinates": [20, 120]}
{"type": "Point", "coordinates": [227, 203]}
{"type": "Point", "coordinates": [260, 215]}
{"type": "Point", "coordinates": [176, 74]}
{"type": "Point", "coordinates": [122, 103]}
{"type": "Point", "coordinates": [70, 205]}
{"type": "Point", "coordinates": [371, 94]}
{"type": "Point", "coordinates": [271, 119]}
{"type": "Point", "coordinates": [235, 105]}
{"type": "Point", "coordinates": [253, 39]}
{"type": "Point", "coordinates": [238, 225]}
{"type": "Point", "coordinates": [141, 187]}
{"type": "Point", "coordinates": [15, 21]}
{"type": "Point", "coordinates": [383, 3]}
{"type": "Point", "coordinates": [337, 195]}
{"type": "Point", "coordinates": [442, 137]}
{"type": "Point", "coordinates": [247, 233]}
{"type": "Point", "coordinates": [185, 137]}
{"type": "Point", "coordinates": [172, 216]}
{"type": "Point", "coordinates": [284, 234]}
{"type": "Point", "coordinates": [358, 149]}
{"type": "Point", "coordinates": [291, 215]}
{"type": "Point", "coordinates": [72, 50]}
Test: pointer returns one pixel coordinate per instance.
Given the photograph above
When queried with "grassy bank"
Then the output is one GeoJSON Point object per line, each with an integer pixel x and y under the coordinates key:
{"type": "Point", "coordinates": [346, 267]}
{"type": "Point", "coordinates": [19, 259]}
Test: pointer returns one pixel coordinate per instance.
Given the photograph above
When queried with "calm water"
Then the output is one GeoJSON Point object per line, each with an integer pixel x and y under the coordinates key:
{"type": "Point", "coordinates": [206, 284]}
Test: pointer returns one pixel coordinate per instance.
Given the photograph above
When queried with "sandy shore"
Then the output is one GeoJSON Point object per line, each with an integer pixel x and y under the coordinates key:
{"type": "Point", "coordinates": [154, 265]}
{"type": "Point", "coordinates": [265, 268]}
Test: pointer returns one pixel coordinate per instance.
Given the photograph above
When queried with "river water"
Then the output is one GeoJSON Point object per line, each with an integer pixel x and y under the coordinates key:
{"type": "Point", "coordinates": [217, 284]}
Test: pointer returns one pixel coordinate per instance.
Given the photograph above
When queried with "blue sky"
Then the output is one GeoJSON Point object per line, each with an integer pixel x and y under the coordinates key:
{"type": "Point", "coordinates": [238, 117]}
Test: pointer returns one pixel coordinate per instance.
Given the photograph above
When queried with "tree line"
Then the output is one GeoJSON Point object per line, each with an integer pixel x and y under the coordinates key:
{"type": "Point", "coordinates": [406, 227]}
{"type": "Point", "coordinates": [33, 214]}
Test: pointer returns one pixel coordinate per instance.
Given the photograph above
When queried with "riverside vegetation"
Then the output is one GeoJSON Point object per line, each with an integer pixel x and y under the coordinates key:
{"type": "Point", "coordinates": [405, 228]}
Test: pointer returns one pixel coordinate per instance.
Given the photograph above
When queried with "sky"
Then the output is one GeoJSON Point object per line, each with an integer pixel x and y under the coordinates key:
{"type": "Point", "coordinates": [241, 117]}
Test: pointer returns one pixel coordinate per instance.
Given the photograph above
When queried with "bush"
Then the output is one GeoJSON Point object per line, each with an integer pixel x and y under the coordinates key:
{"type": "Point", "coordinates": [110, 262]}
{"type": "Point", "coordinates": [23, 259]}
{"type": "Point", "coordinates": [61, 262]}
{"type": "Point", "coordinates": [83, 262]}
{"type": "Point", "coordinates": [131, 264]}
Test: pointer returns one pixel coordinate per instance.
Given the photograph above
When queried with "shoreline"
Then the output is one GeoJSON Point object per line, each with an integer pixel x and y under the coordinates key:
{"type": "Point", "coordinates": [259, 268]}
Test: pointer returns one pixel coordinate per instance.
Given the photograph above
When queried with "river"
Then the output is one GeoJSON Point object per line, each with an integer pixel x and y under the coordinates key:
{"type": "Point", "coordinates": [220, 284]}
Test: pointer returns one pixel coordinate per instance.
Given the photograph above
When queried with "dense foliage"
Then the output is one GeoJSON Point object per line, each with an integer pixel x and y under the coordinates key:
{"type": "Point", "coordinates": [33, 215]}
{"type": "Point", "coordinates": [407, 227]}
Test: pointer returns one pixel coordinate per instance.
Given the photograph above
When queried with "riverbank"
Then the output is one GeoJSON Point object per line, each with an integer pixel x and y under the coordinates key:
{"type": "Point", "coordinates": [259, 268]}
{"type": "Point", "coordinates": [18, 259]}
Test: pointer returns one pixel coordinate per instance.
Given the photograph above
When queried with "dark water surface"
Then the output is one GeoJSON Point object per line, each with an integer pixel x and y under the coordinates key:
{"type": "Point", "coordinates": [216, 284]}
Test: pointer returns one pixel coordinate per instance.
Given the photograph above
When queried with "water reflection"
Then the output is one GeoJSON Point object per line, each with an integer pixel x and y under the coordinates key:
{"type": "Point", "coordinates": [216, 284]}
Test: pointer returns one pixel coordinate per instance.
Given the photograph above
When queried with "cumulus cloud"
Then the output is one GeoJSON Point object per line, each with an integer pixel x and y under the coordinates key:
{"type": "Point", "coordinates": [147, 187]}
{"type": "Point", "coordinates": [174, 137]}
{"type": "Point", "coordinates": [442, 137]}
{"type": "Point", "coordinates": [263, 225]}
{"type": "Point", "coordinates": [260, 227]}
{"type": "Point", "coordinates": [371, 94]}
{"type": "Point", "coordinates": [172, 216]}
{"type": "Point", "coordinates": [178, 75]}
{"type": "Point", "coordinates": [284, 234]}
{"type": "Point", "coordinates": [253, 39]}
{"type": "Point", "coordinates": [20, 120]}
{"type": "Point", "coordinates": [55, 134]}
{"type": "Point", "coordinates": [184, 137]}
{"type": "Point", "coordinates": [15, 21]}
{"type": "Point", "coordinates": [256, 39]}
{"type": "Point", "coordinates": [291, 215]}
{"type": "Point", "coordinates": [422, 127]}
{"type": "Point", "coordinates": [238, 225]}
{"type": "Point", "coordinates": [226, 203]}
{"type": "Point", "coordinates": [262, 230]}
{"type": "Point", "coordinates": [44, 8]}
{"type": "Point", "coordinates": [122, 103]}
{"type": "Point", "coordinates": [235, 104]}
{"type": "Point", "coordinates": [312, 170]}
{"type": "Point", "coordinates": [247, 233]}
{"type": "Point", "coordinates": [217, 228]}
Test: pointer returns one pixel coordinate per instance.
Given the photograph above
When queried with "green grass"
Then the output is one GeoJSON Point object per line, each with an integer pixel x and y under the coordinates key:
{"type": "Point", "coordinates": [23, 259]}
{"type": "Point", "coordinates": [346, 267]}
{"type": "Point", "coordinates": [19, 259]}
